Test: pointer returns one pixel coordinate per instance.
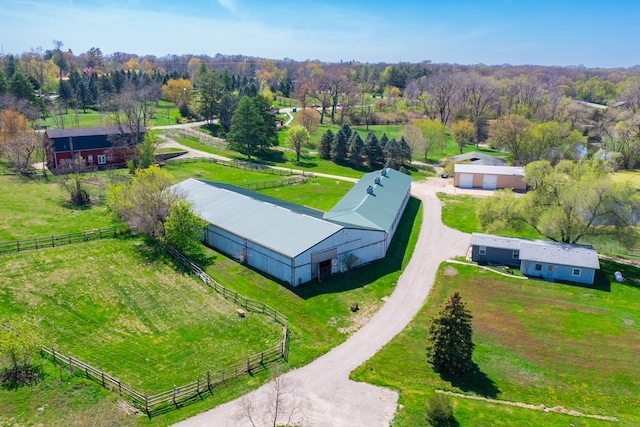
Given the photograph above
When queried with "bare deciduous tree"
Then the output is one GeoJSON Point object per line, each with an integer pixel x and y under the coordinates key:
{"type": "Point", "coordinates": [280, 407]}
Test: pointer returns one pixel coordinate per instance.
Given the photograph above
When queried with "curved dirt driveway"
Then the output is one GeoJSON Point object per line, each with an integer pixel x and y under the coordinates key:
{"type": "Point", "coordinates": [324, 392]}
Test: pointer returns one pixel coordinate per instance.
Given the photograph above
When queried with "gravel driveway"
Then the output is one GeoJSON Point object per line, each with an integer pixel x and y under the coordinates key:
{"type": "Point", "coordinates": [322, 390]}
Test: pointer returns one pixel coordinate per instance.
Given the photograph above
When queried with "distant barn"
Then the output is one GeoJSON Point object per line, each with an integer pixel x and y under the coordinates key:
{"type": "Point", "coordinates": [297, 244]}
{"type": "Point", "coordinates": [99, 147]}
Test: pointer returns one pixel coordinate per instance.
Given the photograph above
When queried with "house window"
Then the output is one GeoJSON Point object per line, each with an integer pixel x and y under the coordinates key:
{"type": "Point", "coordinates": [90, 158]}
{"type": "Point", "coordinates": [516, 254]}
{"type": "Point", "coordinates": [576, 272]}
{"type": "Point", "coordinates": [549, 268]}
{"type": "Point", "coordinates": [102, 159]}
{"type": "Point", "coordinates": [110, 157]}
{"type": "Point", "coordinates": [538, 267]}
{"type": "Point", "coordinates": [482, 250]}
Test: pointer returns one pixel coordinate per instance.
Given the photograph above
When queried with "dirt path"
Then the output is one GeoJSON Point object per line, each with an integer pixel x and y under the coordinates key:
{"type": "Point", "coordinates": [324, 392]}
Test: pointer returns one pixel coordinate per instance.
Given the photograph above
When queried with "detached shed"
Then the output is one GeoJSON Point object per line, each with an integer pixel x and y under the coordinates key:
{"type": "Point", "coordinates": [296, 244]}
{"type": "Point", "coordinates": [489, 177]}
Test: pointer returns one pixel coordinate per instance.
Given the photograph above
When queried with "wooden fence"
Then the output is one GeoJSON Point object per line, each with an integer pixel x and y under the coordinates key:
{"type": "Point", "coordinates": [206, 384]}
{"type": "Point", "coordinates": [57, 240]}
{"type": "Point", "coordinates": [255, 167]}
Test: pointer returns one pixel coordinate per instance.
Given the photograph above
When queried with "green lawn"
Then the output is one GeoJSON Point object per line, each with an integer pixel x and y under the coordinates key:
{"type": "Point", "coordinates": [37, 208]}
{"type": "Point", "coordinates": [536, 342]}
{"type": "Point", "coordinates": [122, 307]}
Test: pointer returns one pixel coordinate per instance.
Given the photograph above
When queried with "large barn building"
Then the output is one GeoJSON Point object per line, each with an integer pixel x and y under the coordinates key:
{"type": "Point", "coordinates": [99, 147]}
{"type": "Point", "coordinates": [297, 244]}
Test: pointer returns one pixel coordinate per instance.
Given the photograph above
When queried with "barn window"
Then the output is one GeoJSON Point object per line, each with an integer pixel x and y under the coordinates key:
{"type": "Point", "coordinates": [576, 272]}
{"type": "Point", "coordinates": [482, 250]}
{"type": "Point", "coordinates": [90, 158]}
{"type": "Point", "coordinates": [102, 159]}
{"type": "Point", "coordinates": [516, 254]}
{"type": "Point", "coordinates": [538, 267]}
{"type": "Point", "coordinates": [110, 157]}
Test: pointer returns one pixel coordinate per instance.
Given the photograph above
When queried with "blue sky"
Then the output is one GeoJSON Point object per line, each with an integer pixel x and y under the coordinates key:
{"type": "Point", "coordinates": [542, 32]}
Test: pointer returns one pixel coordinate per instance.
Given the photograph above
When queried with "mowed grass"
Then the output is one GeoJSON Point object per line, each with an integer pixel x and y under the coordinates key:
{"type": "Point", "coordinates": [37, 208]}
{"type": "Point", "coordinates": [536, 342]}
{"type": "Point", "coordinates": [121, 306]}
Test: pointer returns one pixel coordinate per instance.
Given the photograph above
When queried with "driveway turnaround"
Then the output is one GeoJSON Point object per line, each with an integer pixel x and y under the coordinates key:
{"type": "Point", "coordinates": [322, 391]}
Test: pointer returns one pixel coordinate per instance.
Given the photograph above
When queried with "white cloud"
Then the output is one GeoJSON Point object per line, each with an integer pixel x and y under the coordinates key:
{"type": "Point", "coordinates": [230, 5]}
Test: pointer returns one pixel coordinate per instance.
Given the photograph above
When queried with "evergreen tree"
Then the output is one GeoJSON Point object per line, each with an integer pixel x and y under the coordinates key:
{"type": "Point", "coordinates": [348, 132]}
{"type": "Point", "coordinates": [209, 93]}
{"type": "Point", "coordinates": [246, 128]}
{"type": "Point", "coordinates": [4, 82]}
{"type": "Point", "coordinates": [405, 149]}
{"type": "Point", "coordinates": [339, 147]}
{"type": "Point", "coordinates": [20, 86]}
{"type": "Point", "coordinates": [373, 151]}
{"type": "Point", "coordinates": [384, 140]}
{"type": "Point", "coordinates": [228, 105]}
{"type": "Point", "coordinates": [356, 150]}
{"type": "Point", "coordinates": [325, 145]}
{"type": "Point", "coordinates": [450, 348]}
{"type": "Point", "coordinates": [269, 129]}
{"type": "Point", "coordinates": [392, 154]}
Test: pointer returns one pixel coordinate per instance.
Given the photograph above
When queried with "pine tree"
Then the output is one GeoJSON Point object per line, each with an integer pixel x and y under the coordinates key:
{"type": "Point", "coordinates": [450, 348]}
{"type": "Point", "coordinates": [339, 147]}
{"type": "Point", "coordinates": [246, 127]}
{"type": "Point", "coordinates": [373, 151]}
{"type": "Point", "coordinates": [356, 150]}
{"type": "Point", "coordinates": [325, 145]}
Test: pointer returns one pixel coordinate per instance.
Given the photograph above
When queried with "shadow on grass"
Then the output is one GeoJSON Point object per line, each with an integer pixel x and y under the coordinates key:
{"type": "Point", "coordinates": [606, 274]}
{"type": "Point", "coordinates": [152, 251]}
{"type": "Point", "coordinates": [475, 382]}
{"type": "Point", "coordinates": [366, 274]}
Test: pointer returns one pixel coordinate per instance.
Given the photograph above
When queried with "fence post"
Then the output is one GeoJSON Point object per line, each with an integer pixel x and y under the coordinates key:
{"type": "Point", "coordinates": [36, 239]}
{"type": "Point", "coordinates": [53, 243]}
{"type": "Point", "coordinates": [209, 381]}
{"type": "Point", "coordinates": [102, 379]}
{"type": "Point", "coordinates": [146, 406]}
{"type": "Point", "coordinates": [18, 243]}
{"type": "Point", "coordinates": [249, 365]}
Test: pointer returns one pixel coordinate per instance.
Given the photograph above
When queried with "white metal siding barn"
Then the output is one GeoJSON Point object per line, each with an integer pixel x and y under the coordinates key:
{"type": "Point", "coordinates": [296, 244]}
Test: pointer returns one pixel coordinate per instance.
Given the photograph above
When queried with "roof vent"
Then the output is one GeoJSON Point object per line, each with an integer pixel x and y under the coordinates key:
{"type": "Point", "coordinates": [369, 190]}
{"type": "Point", "coordinates": [377, 180]}
{"type": "Point", "coordinates": [384, 172]}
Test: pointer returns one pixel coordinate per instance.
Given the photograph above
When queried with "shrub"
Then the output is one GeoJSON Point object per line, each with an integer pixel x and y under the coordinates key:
{"type": "Point", "coordinates": [439, 411]}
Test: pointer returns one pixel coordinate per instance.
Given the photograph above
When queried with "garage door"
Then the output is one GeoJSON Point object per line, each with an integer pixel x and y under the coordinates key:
{"type": "Point", "coordinates": [490, 182]}
{"type": "Point", "coordinates": [466, 180]}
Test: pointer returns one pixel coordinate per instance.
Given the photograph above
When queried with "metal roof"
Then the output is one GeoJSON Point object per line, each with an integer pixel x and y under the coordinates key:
{"type": "Point", "coordinates": [491, 170]}
{"type": "Point", "coordinates": [75, 132]}
{"type": "Point", "coordinates": [491, 241]}
{"type": "Point", "coordinates": [559, 253]}
{"type": "Point", "coordinates": [477, 158]}
{"type": "Point", "coordinates": [252, 217]}
{"type": "Point", "coordinates": [373, 202]}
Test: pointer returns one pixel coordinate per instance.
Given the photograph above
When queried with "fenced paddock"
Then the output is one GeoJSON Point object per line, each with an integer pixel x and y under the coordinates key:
{"type": "Point", "coordinates": [57, 240]}
{"type": "Point", "coordinates": [197, 389]}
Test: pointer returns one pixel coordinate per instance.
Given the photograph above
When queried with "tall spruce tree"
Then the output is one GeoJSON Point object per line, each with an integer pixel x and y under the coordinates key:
{"type": "Point", "coordinates": [373, 151]}
{"type": "Point", "coordinates": [450, 348]}
{"type": "Point", "coordinates": [339, 147]}
{"type": "Point", "coordinates": [325, 145]}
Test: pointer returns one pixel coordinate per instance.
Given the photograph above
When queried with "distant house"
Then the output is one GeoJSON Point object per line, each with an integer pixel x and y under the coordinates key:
{"type": "Point", "coordinates": [477, 158]}
{"type": "Point", "coordinates": [296, 244]}
{"type": "Point", "coordinates": [536, 258]}
{"type": "Point", "coordinates": [489, 177]}
{"type": "Point", "coordinates": [99, 147]}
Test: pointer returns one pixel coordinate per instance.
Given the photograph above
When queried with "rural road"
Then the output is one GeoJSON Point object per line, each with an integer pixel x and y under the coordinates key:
{"type": "Point", "coordinates": [322, 391]}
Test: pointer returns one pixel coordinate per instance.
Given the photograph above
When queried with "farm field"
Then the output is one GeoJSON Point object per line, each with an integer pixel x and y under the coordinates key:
{"type": "Point", "coordinates": [581, 357]}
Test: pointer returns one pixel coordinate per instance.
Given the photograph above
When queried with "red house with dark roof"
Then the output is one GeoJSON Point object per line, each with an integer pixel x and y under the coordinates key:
{"type": "Point", "coordinates": [99, 147]}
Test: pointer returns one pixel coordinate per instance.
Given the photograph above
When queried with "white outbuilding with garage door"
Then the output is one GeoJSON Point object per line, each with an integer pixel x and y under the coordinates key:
{"type": "Point", "coordinates": [489, 177]}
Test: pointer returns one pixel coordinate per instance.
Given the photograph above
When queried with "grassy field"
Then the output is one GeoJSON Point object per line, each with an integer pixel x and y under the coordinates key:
{"type": "Point", "coordinates": [581, 356]}
{"type": "Point", "coordinates": [36, 208]}
{"type": "Point", "coordinates": [122, 307]}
